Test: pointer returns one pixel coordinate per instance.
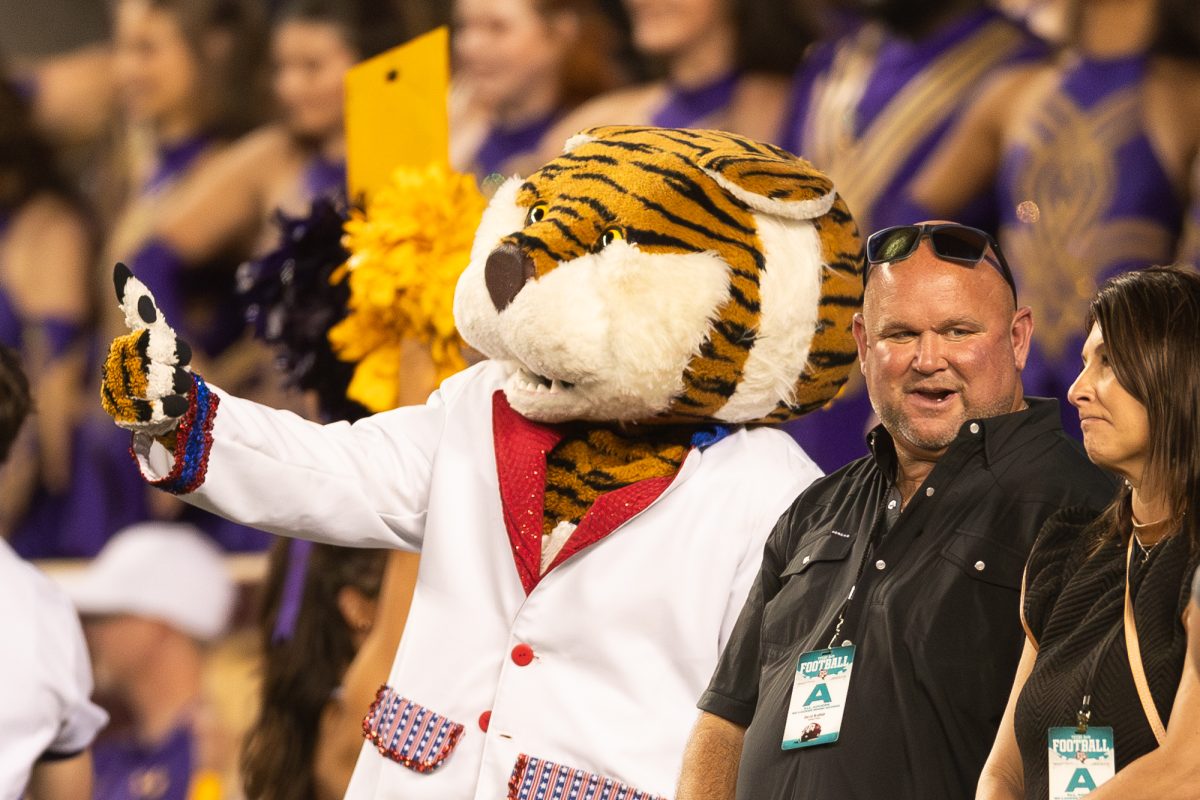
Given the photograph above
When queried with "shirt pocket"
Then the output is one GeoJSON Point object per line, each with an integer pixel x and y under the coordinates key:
{"type": "Point", "coordinates": [807, 582]}
{"type": "Point", "coordinates": [409, 733]}
{"type": "Point", "coordinates": [537, 779]}
{"type": "Point", "coordinates": [984, 559]}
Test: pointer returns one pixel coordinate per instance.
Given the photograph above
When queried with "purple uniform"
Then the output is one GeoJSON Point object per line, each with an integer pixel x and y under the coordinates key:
{"type": "Point", "coordinates": [868, 109]}
{"type": "Point", "coordinates": [1083, 196]}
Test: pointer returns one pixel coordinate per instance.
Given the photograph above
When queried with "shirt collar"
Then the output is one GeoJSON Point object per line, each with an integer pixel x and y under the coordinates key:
{"type": "Point", "coordinates": [997, 435]}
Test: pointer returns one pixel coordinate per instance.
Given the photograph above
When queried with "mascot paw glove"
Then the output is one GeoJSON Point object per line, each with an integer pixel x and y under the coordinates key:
{"type": "Point", "coordinates": [146, 375]}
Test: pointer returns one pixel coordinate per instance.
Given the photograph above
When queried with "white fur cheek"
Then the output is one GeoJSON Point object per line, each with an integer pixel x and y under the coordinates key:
{"type": "Point", "coordinates": [662, 309]}
{"type": "Point", "coordinates": [558, 325]}
{"type": "Point", "coordinates": [790, 294]}
{"type": "Point", "coordinates": [637, 320]}
{"type": "Point", "coordinates": [474, 313]}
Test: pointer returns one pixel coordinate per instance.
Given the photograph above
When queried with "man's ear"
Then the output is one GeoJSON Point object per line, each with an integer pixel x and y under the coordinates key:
{"type": "Point", "coordinates": [859, 328]}
{"type": "Point", "coordinates": [1022, 335]}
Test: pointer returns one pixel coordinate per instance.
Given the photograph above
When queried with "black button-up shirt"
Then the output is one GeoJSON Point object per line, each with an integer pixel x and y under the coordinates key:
{"type": "Point", "coordinates": [934, 615]}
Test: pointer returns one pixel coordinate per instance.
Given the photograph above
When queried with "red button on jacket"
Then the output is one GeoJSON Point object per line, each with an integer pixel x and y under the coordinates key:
{"type": "Point", "coordinates": [522, 655]}
{"type": "Point", "coordinates": [484, 720]}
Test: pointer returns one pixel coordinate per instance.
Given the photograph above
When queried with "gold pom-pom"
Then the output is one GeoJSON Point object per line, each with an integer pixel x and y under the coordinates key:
{"type": "Point", "coordinates": [406, 252]}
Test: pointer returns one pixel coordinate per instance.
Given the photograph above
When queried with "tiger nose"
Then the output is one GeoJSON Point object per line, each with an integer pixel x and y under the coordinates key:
{"type": "Point", "coordinates": [506, 272]}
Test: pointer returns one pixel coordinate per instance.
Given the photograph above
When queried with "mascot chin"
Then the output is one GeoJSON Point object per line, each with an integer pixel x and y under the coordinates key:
{"type": "Point", "coordinates": [590, 502]}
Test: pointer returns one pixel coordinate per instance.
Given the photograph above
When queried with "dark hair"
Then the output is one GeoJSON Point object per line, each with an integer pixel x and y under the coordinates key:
{"type": "Point", "coordinates": [772, 37]}
{"type": "Point", "coordinates": [368, 26]}
{"type": "Point", "coordinates": [592, 66]}
{"type": "Point", "coordinates": [234, 86]}
{"type": "Point", "coordinates": [28, 166]}
{"type": "Point", "coordinates": [14, 399]}
{"type": "Point", "coordinates": [1150, 320]}
{"type": "Point", "coordinates": [302, 671]}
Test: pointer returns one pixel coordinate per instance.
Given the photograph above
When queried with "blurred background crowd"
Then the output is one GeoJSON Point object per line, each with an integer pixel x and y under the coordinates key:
{"type": "Point", "coordinates": [168, 133]}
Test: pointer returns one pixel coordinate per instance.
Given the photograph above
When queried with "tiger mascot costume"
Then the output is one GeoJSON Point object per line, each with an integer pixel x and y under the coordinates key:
{"type": "Point", "coordinates": [591, 502]}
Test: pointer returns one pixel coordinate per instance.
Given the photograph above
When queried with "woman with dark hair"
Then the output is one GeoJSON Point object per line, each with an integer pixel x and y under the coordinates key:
{"type": "Point", "coordinates": [1105, 597]}
{"type": "Point", "coordinates": [227, 210]}
{"type": "Point", "coordinates": [724, 63]}
{"type": "Point", "coordinates": [519, 66]}
{"type": "Point", "coordinates": [46, 246]}
{"type": "Point", "coordinates": [319, 607]}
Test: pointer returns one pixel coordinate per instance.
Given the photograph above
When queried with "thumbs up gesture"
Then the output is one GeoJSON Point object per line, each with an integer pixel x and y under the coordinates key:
{"type": "Point", "coordinates": [146, 375]}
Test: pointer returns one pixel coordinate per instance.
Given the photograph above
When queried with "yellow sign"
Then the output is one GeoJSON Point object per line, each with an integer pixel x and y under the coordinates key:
{"type": "Point", "coordinates": [396, 112]}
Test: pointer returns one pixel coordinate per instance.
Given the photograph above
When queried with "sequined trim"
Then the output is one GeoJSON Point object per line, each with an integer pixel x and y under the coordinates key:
{"type": "Point", "coordinates": [193, 441]}
{"type": "Point", "coordinates": [536, 779]}
{"type": "Point", "coordinates": [409, 733]}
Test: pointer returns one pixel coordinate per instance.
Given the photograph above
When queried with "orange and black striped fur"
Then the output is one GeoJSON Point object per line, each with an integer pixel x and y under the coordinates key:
{"type": "Point", "coordinates": [650, 281]}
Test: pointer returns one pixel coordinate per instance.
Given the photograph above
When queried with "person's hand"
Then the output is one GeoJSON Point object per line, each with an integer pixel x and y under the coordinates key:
{"type": "Point", "coordinates": [146, 374]}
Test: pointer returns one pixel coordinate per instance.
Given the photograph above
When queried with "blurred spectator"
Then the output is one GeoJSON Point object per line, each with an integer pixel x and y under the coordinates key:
{"type": "Point", "coordinates": [48, 719]}
{"type": "Point", "coordinates": [868, 108]}
{"type": "Point", "coordinates": [46, 246]}
{"type": "Point", "coordinates": [185, 79]}
{"type": "Point", "coordinates": [282, 166]}
{"type": "Point", "coordinates": [186, 74]}
{"type": "Point", "coordinates": [319, 607]}
{"type": "Point", "coordinates": [1094, 155]}
{"type": "Point", "coordinates": [518, 66]}
{"type": "Point", "coordinates": [725, 65]}
{"type": "Point", "coordinates": [151, 601]}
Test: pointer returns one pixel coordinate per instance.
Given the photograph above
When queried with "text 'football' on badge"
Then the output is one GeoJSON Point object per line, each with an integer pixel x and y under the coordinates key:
{"type": "Point", "coordinates": [819, 695]}
{"type": "Point", "coordinates": [1080, 762]}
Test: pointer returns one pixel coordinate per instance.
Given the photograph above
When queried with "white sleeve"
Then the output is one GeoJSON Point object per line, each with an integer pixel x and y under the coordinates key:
{"type": "Point", "coordinates": [69, 673]}
{"type": "Point", "coordinates": [364, 485]}
{"type": "Point", "coordinates": [779, 491]}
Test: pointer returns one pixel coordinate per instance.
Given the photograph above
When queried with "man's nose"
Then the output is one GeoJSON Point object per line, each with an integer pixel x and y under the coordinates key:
{"type": "Point", "coordinates": [929, 356]}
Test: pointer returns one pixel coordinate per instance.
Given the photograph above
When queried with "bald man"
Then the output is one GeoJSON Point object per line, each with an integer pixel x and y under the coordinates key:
{"type": "Point", "coordinates": [875, 653]}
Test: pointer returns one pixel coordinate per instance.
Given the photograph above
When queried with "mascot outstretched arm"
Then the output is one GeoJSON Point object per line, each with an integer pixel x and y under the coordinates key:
{"type": "Point", "coordinates": [591, 502]}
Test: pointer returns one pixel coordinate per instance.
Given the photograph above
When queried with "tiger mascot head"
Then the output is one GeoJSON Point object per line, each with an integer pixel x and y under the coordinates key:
{"type": "Point", "coordinates": [675, 276]}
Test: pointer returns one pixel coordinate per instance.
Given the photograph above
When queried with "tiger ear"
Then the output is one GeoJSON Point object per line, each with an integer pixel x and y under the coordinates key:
{"type": "Point", "coordinates": [772, 182]}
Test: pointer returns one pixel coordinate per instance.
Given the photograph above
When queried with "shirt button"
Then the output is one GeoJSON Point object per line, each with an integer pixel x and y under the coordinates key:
{"type": "Point", "coordinates": [485, 719]}
{"type": "Point", "coordinates": [522, 655]}
{"type": "Point", "coordinates": [806, 559]}
{"type": "Point", "coordinates": [974, 427]}
{"type": "Point", "coordinates": [980, 566]}
{"type": "Point", "coordinates": [891, 505]}
{"type": "Point", "coordinates": [929, 492]}
{"type": "Point", "coordinates": [880, 564]}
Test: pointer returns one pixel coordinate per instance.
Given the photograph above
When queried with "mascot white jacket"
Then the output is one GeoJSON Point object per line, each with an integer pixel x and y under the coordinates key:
{"type": "Point", "coordinates": [591, 502]}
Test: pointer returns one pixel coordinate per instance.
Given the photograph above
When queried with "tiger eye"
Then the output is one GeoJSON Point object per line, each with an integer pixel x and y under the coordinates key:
{"type": "Point", "coordinates": [611, 235]}
{"type": "Point", "coordinates": [536, 214]}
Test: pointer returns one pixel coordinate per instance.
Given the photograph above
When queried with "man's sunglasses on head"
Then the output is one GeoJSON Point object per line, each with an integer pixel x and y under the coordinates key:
{"type": "Point", "coordinates": [952, 242]}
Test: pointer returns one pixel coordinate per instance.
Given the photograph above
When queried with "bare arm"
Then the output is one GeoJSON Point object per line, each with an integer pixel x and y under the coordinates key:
{"type": "Point", "coordinates": [710, 762]}
{"type": "Point", "coordinates": [340, 736]}
{"type": "Point", "coordinates": [1003, 776]}
{"type": "Point", "coordinates": [48, 262]}
{"type": "Point", "coordinates": [63, 779]}
{"type": "Point", "coordinates": [224, 204]}
{"type": "Point", "coordinates": [967, 160]}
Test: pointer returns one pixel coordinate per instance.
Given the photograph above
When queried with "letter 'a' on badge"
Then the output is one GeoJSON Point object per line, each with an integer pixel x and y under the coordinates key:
{"type": "Point", "coordinates": [819, 694]}
{"type": "Point", "coordinates": [1079, 763]}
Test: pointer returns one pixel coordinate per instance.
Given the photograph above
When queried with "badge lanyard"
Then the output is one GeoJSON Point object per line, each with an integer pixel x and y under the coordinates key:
{"type": "Point", "coordinates": [822, 682]}
{"type": "Point", "coordinates": [1084, 757]}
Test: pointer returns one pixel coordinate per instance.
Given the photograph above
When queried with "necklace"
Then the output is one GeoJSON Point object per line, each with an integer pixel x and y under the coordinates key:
{"type": "Point", "coordinates": [1145, 550]}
